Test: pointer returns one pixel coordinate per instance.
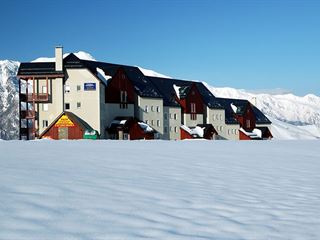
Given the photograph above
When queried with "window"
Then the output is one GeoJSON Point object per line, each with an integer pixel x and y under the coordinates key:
{"type": "Point", "coordinates": [66, 88]}
{"type": "Point", "coordinates": [45, 107]}
{"type": "Point", "coordinates": [44, 89]}
{"type": "Point", "coordinates": [228, 131]}
{"type": "Point", "coordinates": [123, 99]}
{"type": "Point", "coordinates": [165, 129]}
{"type": "Point", "coordinates": [45, 123]}
{"type": "Point", "coordinates": [170, 129]}
{"type": "Point", "coordinates": [158, 123]}
{"type": "Point", "coordinates": [146, 108]}
{"type": "Point", "coordinates": [193, 111]}
{"type": "Point", "coordinates": [152, 122]}
{"type": "Point", "coordinates": [67, 106]}
{"type": "Point", "coordinates": [217, 116]}
{"type": "Point", "coordinates": [158, 109]}
{"type": "Point", "coordinates": [170, 115]}
{"type": "Point", "coordinates": [221, 128]}
{"type": "Point", "coordinates": [248, 123]}
{"type": "Point", "coordinates": [193, 107]}
{"type": "Point", "coordinates": [166, 116]}
{"type": "Point", "coordinates": [78, 104]}
{"type": "Point", "coordinates": [125, 136]}
{"type": "Point", "coordinates": [175, 129]}
{"type": "Point", "coordinates": [152, 108]}
{"type": "Point", "coordinates": [147, 121]}
{"type": "Point", "coordinates": [220, 116]}
{"type": "Point", "coordinates": [175, 116]}
{"type": "Point", "coordinates": [78, 88]}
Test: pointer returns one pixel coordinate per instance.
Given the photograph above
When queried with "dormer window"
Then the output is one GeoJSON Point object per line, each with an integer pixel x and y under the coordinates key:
{"type": "Point", "coordinates": [123, 99]}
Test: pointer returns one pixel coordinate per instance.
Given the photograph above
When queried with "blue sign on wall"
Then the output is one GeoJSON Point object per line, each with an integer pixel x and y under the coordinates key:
{"type": "Point", "coordinates": [89, 87]}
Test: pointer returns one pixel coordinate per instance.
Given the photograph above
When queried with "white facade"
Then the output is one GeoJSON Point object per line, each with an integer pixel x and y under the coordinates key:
{"type": "Point", "coordinates": [150, 111]}
{"type": "Point", "coordinates": [225, 131]}
{"type": "Point", "coordinates": [188, 121]}
{"type": "Point", "coordinates": [47, 112]}
{"type": "Point", "coordinates": [172, 123]}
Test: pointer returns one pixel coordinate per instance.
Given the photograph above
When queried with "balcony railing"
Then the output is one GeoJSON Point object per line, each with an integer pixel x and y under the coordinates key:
{"type": "Point", "coordinates": [38, 97]}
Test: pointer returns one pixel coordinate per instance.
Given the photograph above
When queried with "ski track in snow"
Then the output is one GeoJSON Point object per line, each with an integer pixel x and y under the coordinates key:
{"type": "Point", "coordinates": [159, 190]}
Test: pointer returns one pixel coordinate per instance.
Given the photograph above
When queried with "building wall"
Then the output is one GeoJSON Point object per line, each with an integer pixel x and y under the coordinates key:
{"type": "Point", "coordinates": [151, 116]}
{"type": "Point", "coordinates": [89, 100]}
{"type": "Point", "coordinates": [231, 132]}
{"type": "Point", "coordinates": [50, 111]}
{"type": "Point", "coordinates": [171, 123]}
{"type": "Point", "coordinates": [217, 118]}
{"type": "Point", "coordinates": [192, 123]}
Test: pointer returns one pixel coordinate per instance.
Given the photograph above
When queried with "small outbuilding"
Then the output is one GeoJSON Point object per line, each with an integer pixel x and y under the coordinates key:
{"type": "Point", "coordinates": [129, 128]}
{"type": "Point", "coordinates": [69, 126]}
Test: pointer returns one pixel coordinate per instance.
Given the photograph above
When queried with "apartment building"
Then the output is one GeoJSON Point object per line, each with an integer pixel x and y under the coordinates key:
{"type": "Point", "coordinates": [73, 98]}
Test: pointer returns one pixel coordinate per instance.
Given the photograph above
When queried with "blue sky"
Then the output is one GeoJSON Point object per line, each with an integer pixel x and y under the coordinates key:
{"type": "Point", "coordinates": [243, 44]}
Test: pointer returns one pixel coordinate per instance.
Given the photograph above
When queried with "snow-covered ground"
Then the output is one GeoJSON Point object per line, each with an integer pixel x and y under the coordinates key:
{"type": "Point", "coordinates": [159, 190]}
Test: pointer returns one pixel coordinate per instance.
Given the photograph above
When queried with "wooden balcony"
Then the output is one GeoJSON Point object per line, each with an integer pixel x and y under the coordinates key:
{"type": "Point", "coordinates": [38, 97]}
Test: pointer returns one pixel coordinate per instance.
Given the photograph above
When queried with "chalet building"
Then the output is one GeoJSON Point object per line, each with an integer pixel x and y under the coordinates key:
{"type": "Point", "coordinates": [73, 98]}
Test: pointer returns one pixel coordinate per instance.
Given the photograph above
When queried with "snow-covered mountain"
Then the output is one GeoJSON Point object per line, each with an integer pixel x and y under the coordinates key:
{"type": "Point", "coordinates": [9, 106]}
{"type": "Point", "coordinates": [293, 117]}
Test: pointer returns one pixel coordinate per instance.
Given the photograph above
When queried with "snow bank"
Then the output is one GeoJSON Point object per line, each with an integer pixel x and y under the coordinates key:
{"type": "Point", "coordinates": [159, 190]}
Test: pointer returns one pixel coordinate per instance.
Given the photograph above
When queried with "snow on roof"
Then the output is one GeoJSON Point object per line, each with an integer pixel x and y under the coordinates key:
{"type": "Point", "coordinates": [145, 127]}
{"type": "Point", "coordinates": [258, 132]}
{"type": "Point", "coordinates": [118, 122]}
{"type": "Point", "coordinates": [253, 134]}
{"type": "Point", "coordinates": [199, 131]}
{"type": "Point", "coordinates": [176, 89]}
{"type": "Point", "coordinates": [234, 108]}
{"type": "Point", "coordinates": [102, 76]}
{"type": "Point", "coordinates": [151, 73]}
{"type": "Point", "coordinates": [81, 55]}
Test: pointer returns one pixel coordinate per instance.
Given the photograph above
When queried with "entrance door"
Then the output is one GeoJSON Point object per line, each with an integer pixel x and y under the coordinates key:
{"type": "Point", "coordinates": [63, 133]}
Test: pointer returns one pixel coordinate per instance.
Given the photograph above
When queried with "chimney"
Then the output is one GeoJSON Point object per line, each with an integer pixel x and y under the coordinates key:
{"type": "Point", "coordinates": [59, 58]}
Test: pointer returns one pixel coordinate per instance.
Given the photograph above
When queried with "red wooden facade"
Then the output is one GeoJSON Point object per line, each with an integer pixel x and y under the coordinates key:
{"type": "Point", "coordinates": [136, 132]}
{"type": "Point", "coordinates": [117, 86]}
{"type": "Point", "coordinates": [193, 97]}
{"type": "Point", "coordinates": [247, 120]}
{"type": "Point", "coordinates": [243, 136]}
{"type": "Point", "coordinates": [65, 127]}
{"type": "Point", "coordinates": [184, 134]}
